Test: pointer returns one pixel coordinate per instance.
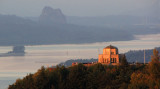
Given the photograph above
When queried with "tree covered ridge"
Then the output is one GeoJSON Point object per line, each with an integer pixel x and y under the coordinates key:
{"type": "Point", "coordinates": [138, 55]}
{"type": "Point", "coordinates": [98, 76]}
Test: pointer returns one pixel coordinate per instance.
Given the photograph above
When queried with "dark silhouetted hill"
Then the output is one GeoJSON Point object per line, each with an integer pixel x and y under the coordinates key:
{"type": "Point", "coordinates": [138, 55]}
{"type": "Point", "coordinates": [15, 30]}
{"type": "Point", "coordinates": [13, 19]}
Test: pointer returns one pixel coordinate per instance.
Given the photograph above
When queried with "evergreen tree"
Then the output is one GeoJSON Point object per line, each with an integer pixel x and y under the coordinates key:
{"type": "Point", "coordinates": [124, 62]}
{"type": "Point", "coordinates": [77, 77]}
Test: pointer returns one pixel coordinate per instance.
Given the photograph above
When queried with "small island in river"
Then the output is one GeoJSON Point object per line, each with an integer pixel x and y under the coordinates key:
{"type": "Point", "coordinates": [17, 51]}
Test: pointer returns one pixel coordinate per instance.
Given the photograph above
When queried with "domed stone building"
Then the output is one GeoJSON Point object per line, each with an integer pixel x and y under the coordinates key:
{"type": "Point", "coordinates": [110, 56]}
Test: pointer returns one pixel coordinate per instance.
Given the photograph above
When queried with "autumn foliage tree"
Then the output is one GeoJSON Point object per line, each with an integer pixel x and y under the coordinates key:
{"type": "Point", "coordinates": [149, 78]}
{"type": "Point", "coordinates": [154, 70]}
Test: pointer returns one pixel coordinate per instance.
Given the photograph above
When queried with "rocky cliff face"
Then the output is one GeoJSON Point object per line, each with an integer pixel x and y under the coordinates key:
{"type": "Point", "coordinates": [51, 16]}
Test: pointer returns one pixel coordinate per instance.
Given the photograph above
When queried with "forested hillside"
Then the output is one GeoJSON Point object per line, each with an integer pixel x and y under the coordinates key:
{"type": "Point", "coordinates": [138, 55]}
{"type": "Point", "coordinates": [98, 76]}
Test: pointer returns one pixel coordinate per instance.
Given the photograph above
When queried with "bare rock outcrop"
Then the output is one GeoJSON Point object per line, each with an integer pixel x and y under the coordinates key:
{"type": "Point", "coordinates": [51, 16]}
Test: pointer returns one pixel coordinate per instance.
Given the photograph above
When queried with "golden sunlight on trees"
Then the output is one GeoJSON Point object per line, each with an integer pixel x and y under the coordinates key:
{"type": "Point", "coordinates": [149, 78]}
{"type": "Point", "coordinates": [98, 76]}
{"type": "Point", "coordinates": [154, 70]}
{"type": "Point", "coordinates": [139, 81]}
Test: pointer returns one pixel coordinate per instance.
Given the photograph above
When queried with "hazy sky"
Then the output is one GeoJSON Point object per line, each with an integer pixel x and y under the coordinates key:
{"type": "Point", "coordinates": [74, 7]}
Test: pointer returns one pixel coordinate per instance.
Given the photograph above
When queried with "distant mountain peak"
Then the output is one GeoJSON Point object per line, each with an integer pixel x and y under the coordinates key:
{"type": "Point", "coordinates": [50, 15]}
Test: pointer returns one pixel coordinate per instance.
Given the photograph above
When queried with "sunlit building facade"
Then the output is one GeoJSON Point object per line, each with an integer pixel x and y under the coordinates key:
{"type": "Point", "coordinates": [110, 56]}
